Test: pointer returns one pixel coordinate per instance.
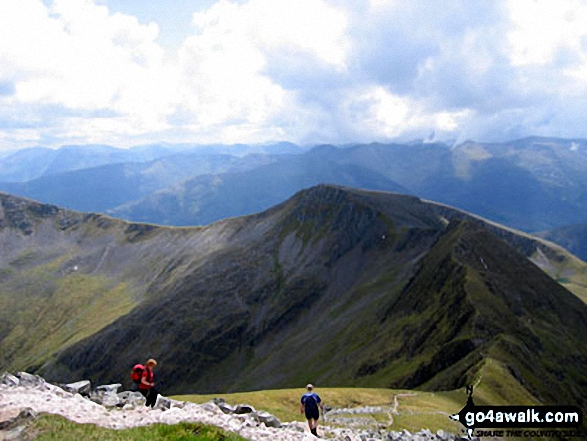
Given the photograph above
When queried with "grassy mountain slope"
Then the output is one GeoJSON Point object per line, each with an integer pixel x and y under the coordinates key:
{"type": "Point", "coordinates": [556, 261]}
{"type": "Point", "coordinates": [57, 284]}
{"type": "Point", "coordinates": [337, 286]}
{"type": "Point", "coordinates": [504, 309]}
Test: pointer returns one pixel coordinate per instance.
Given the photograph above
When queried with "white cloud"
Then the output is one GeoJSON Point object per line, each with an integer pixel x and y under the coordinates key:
{"type": "Point", "coordinates": [377, 112]}
{"type": "Point", "coordinates": [78, 56]}
{"type": "Point", "coordinates": [74, 54]}
{"type": "Point", "coordinates": [302, 70]}
{"type": "Point", "coordinates": [308, 26]}
{"type": "Point", "coordinates": [542, 29]}
{"type": "Point", "coordinates": [225, 83]}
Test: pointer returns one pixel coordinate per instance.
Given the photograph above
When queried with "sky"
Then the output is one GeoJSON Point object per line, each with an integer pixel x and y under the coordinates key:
{"type": "Point", "coordinates": [129, 72]}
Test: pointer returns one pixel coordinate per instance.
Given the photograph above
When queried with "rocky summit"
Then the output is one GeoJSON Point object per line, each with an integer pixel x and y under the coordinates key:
{"type": "Point", "coordinates": [23, 397]}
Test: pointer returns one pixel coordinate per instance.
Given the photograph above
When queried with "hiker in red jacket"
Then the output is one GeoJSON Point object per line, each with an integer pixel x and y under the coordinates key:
{"type": "Point", "coordinates": [147, 385]}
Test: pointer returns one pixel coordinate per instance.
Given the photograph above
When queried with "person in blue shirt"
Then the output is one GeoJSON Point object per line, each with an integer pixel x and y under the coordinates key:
{"type": "Point", "coordinates": [309, 405]}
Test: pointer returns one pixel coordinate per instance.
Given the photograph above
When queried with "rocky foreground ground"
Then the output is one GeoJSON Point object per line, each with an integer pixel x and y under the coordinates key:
{"type": "Point", "coordinates": [24, 396]}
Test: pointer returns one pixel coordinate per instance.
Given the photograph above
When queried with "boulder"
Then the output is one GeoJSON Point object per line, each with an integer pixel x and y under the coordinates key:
{"type": "Point", "coordinates": [109, 400]}
{"type": "Point", "coordinates": [128, 399]}
{"type": "Point", "coordinates": [178, 404]}
{"type": "Point", "coordinates": [81, 387]}
{"type": "Point", "coordinates": [243, 408]}
{"type": "Point", "coordinates": [22, 418]}
{"type": "Point", "coordinates": [106, 395]}
{"type": "Point", "coordinates": [56, 390]}
{"type": "Point", "coordinates": [226, 408]}
{"type": "Point", "coordinates": [163, 403]}
{"type": "Point", "coordinates": [29, 380]}
{"type": "Point", "coordinates": [260, 417]}
{"type": "Point", "coordinates": [9, 380]}
{"type": "Point", "coordinates": [268, 419]}
{"type": "Point", "coordinates": [108, 388]}
{"type": "Point", "coordinates": [211, 407]}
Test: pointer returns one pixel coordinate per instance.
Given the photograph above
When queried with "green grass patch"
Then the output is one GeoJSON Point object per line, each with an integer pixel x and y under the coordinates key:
{"type": "Point", "coordinates": [577, 285]}
{"type": "Point", "coordinates": [417, 410]}
{"type": "Point", "coordinates": [497, 387]}
{"type": "Point", "coordinates": [53, 427]}
{"type": "Point", "coordinates": [43, 312]}
{"type": "Point", "coordinates": [568, 270]}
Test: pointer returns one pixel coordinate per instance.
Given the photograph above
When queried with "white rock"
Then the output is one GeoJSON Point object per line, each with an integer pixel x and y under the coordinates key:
{"type": "Point", "coordinates": [108, 388]}
{"type": "Point", "coordinates": [29, 380]}
{"type": "Point", "coordinates": [79, 387]}
{"type": "Point", "coordinates": [9, 380]}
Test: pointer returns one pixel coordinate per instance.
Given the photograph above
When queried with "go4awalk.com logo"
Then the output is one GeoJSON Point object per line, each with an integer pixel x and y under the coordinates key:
{"type": "Point", "coordinates": [520, 421]}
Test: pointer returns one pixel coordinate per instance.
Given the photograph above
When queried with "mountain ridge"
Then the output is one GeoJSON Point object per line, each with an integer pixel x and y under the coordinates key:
{"type": "Point", "coordinates": [195, 201]}
{"type": "Point", "coordinates": [390, 290]}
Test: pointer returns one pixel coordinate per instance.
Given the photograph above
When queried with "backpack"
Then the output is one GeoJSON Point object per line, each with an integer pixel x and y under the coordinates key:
{"type": "Point", "coordinates": [310, 402]}
{"type": "Point", "coordinates": [137, 373]}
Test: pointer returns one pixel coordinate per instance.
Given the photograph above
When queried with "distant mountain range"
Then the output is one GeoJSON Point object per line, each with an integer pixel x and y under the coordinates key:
{"type": "Point", "coordinates": [99, 189]}
{"type": "Point", "coordinates": [211, 197]}
{"type": "Point", "coordinates": [533, 184]}
{"type": "Point", "coordinates": [335, 285]}
{"type": "Point", "coordinates": [530, 184]}
{"type": "Point", "coordinates": [32, 163]}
